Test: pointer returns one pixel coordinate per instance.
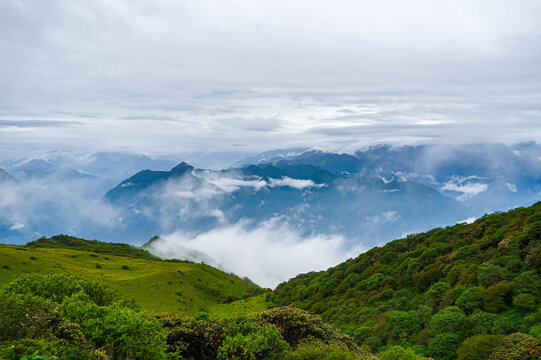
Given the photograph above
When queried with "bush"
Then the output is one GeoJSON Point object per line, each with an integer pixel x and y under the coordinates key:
{"type": "Point", "coordinates": [448, 320]}
{"type": "Point", "coordinates": [73, 317]}
{"type": "Point", "coordinates": [525, 301]}
{"type": "Point", "coordinates": [478, 347]}
{"type": "Point", "coordinates": [403, 323]}
{"type": "Point", "coordinates": [399, 353]}
{"type": "Point", "coordinates": [470, 299]}
{"type": "Point", "coordinates": [518, 347]}
{"type": "Point", "coordinates": [480, 322]}
{"type": "Point", "coordinates": [246, 339]}
{"type": "Point", "coordinates": [496, 297]}
{"type": "Point", "coordinates": [57, 287]}
{"type": "Point", "coordinates": [443, 346]}
{"type": "Point", "coordinates": [321, 351]}
{"type": "Point", "coordinates": [127, 332]}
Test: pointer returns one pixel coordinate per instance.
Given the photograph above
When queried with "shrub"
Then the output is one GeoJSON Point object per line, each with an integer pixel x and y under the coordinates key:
{"type": "Point", "coordinates": [399, 353]}
{"type": "Point", "coordinates": [321, 351]}
{"type": "Point", "coordinates": [246, 339]}
{"type": "Point", "coordinates": [518, 347]}
{"type": "Point", "coordinates": [496, 297]}
{"type": "Point", "coordinates": [403, 323]}
{"type": "Point", "coordinates": [64, 312]}
{"type": "Point", "coordinates": [470, 299]}
{"type": "Point", "coordinates": [443, 346]}
{"type": "Point", "coordinates": [525, 301]}
{"type": "Point", "coordinates": [448, 320]}
{"type": "Point", "coordinates": [480, 322]}
{"type": "Point", "coordinates": [478, 347]}
{"type": "Point", "coordinates": [127, 332]}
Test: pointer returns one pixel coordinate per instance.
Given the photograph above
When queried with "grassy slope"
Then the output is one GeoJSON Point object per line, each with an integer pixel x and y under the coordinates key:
{"type": "Point", "coordinates": [71, 242]}
{"type": "Point", "coordinates": [158, 286]}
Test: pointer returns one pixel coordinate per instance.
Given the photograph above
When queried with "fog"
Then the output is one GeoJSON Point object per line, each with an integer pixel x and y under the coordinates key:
{"type": "Point", "coordinates": [267, 254]}
{"type": "Point", "coordinates": [46, 207]}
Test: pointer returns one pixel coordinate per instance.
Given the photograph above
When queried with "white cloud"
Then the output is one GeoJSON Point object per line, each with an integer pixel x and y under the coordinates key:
{"type": "Point", "coordinates": [230, 185]}
{"type": "Point", "coordinates": [17, 226]}
{"type": "Point", "coordinates": [468, 189]}
{"type": "Point", "coordinates": [511, 187]}
{"type": "Point", "coordinates": [268, 254]}
{"type": "Point", "coordinates": [385, 217]}
{"type": "Point", "coordinates": [298, 184]}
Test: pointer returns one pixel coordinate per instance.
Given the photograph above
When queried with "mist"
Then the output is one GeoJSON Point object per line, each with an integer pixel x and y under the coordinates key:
{"type": "Point", "coordinates": [46, 207]}
{"type": "Point", "coordinates": [267, 254]}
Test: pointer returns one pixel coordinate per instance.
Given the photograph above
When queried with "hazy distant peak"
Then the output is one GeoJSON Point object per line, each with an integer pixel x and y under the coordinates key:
{"type": "Point", "coordinates": [181, 168]}
{"type": "Point", "coordinates": [6, 177]}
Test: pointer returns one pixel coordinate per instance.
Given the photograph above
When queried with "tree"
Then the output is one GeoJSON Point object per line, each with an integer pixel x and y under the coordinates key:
{"type": "Point", "coordinates": [480, 322]}
{"type": "Point", "coordinates": [496, 297]}
{"type": "Point", "coordinates": [443, 346]}
{"type": "Point", "coordinates": [518, 346]}
{"type": "Point", "coordinates": [470, 299]}
{"type": "Point", "coordinates": [478, 347]}
{"type": "Point", "coordinates": [403, 323]}
{"type": "Point", "coordinates": [399, 353]}
{"type": "Point", "coordinates": [448, 320]}
{"type": "Point", "coordinates": [525, 301]}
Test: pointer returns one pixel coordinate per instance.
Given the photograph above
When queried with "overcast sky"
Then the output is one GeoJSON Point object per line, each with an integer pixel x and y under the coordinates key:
{"type": "Point", "coordinates": [164, 77]}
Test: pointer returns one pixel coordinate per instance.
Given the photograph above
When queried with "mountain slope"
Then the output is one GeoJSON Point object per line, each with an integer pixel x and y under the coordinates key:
{"type": "Point", "coordinates": [439, 287]}
{"type": "Point", "coordinates": [155, 285]}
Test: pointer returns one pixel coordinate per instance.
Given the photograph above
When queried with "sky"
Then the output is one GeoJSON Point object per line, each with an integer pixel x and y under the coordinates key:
{"type": "Point", "coordinates": [172, 77]}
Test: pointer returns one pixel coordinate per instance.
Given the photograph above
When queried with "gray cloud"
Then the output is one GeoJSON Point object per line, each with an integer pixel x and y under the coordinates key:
{"type": "Point", "coordinates": [37, 123]}
{"type": "Point", "coordinates": [174, 77]}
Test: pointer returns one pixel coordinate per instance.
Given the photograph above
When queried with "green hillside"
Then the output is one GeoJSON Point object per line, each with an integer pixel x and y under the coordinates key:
{"type": "Point", "coordinates": [156, 285]}
{"type": "Point", "coordinates": [447, 293]}
{"type": "Point", "coordinates": [70, 242]}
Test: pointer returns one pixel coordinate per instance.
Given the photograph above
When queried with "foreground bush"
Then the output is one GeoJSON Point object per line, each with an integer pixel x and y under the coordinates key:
{"type": "Point", "coordinates": [280, 333]}
{"type": "Point", "coordinates": [73, 318]}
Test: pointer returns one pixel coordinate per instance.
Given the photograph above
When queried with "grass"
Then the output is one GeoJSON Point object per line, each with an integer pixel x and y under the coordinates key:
{"type": "Point", "coordinates": [157, 286]}
{"type": "Point", "coordinates": [97, 247]}
{"type": "Point", "coordinates": [244, 306]}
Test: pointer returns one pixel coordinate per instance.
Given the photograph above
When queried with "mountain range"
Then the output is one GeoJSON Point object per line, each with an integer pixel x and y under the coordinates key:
{"type": "Point", "coordinates": [369, 197]}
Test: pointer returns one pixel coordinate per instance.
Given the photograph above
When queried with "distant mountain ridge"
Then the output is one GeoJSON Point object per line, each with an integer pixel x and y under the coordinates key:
{"type": "Point", "coordinates": [485, 177]}
{"type": "Point", "coordinates": [308, 197]}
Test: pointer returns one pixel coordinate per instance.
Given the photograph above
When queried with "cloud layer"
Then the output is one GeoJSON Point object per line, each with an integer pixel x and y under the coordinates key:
{"type": "Point", "coordinates": [268, 254]}
{"type": "Point", "coordinates": [231, 76]}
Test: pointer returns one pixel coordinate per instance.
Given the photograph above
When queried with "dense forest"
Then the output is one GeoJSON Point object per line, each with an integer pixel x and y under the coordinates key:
{"type": "Point", "coordinates": [451, 293]}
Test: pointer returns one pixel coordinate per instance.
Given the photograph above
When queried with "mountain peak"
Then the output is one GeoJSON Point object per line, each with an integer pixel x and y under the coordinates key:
{"type": "Point", "coordinates": [181, 168]}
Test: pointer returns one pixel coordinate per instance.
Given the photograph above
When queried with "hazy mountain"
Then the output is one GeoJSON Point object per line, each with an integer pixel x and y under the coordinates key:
{"type": "Point", "coordinates": [6, 177]}
{"type": "Point", "coordinates": [305, 197]}
{"type": "Point", "coordinates": [484, 177]}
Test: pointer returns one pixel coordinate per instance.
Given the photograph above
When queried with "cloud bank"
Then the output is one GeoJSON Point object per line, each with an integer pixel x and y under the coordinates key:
{"type": "Point", "coordinates": [229, 76]}
{"type": "Point", "coordinates": [267, 254]}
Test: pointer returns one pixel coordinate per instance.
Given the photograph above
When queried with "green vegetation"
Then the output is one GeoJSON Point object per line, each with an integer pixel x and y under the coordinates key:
{"type": "Point", "coordinates": [159, 286]}
{"type": "Point", "coordinates": [98, 247]}
{"type": "Point", "coordinates": [60, 316]}
{"type": "Point", "coordinates": [468, 291]}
